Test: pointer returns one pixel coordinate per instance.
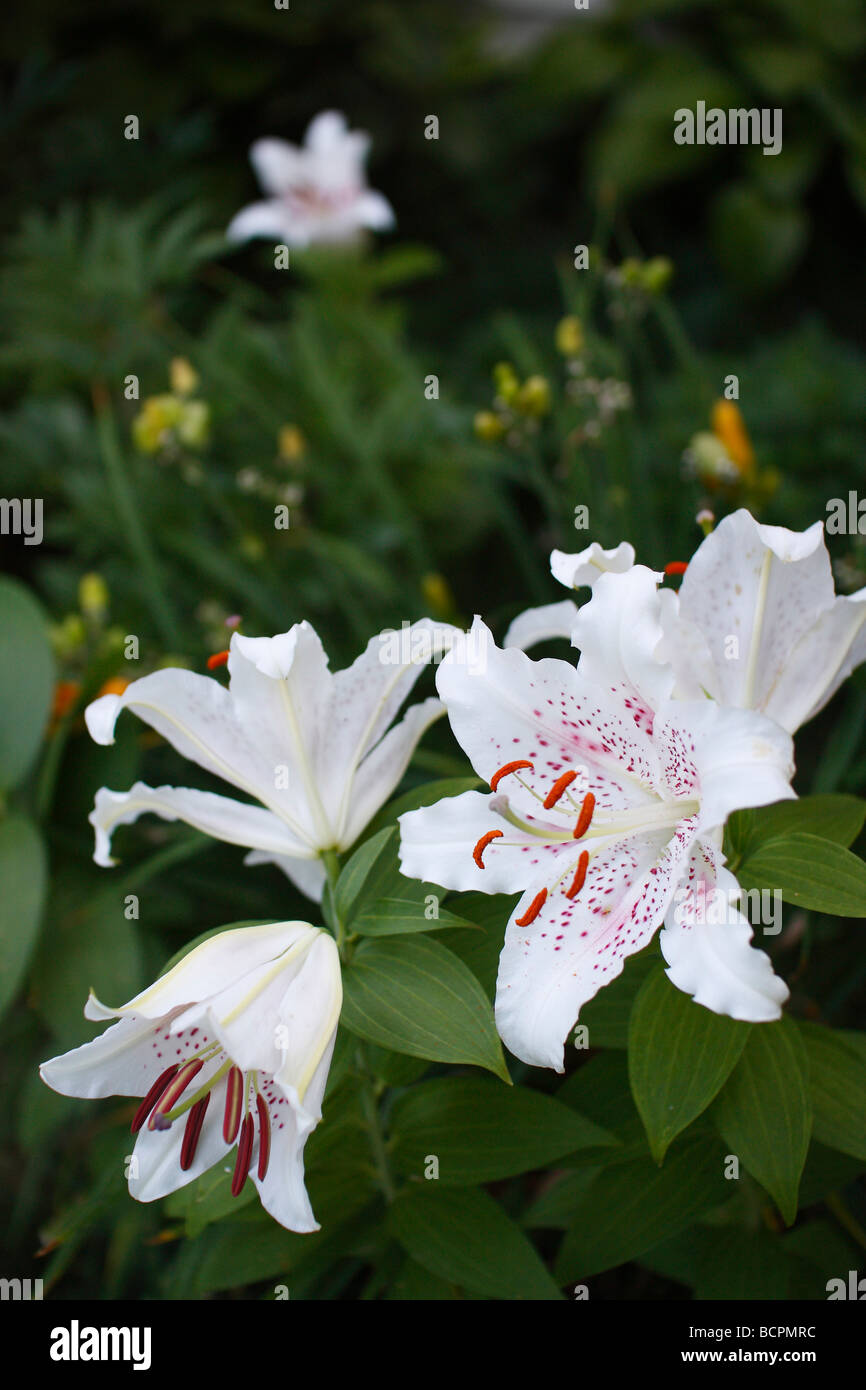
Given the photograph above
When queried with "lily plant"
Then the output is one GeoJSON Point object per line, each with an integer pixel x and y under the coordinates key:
{"type": "Point", "coordinates": [316, 193]}
{"type": "Point", "coordinates": [605, 813]}
{"type": "Point", "coordinates": [230, 1051]}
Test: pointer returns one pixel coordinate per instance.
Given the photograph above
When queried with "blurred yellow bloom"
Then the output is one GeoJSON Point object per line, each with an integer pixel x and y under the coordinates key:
{"type": "Point", "coordinates": [488, 426]}
{"type": "Point", "coordinates": [291, 444]}
{"type": "Point", "coordinates": [505, 381]}
{"type": "Point", "coordinates": [183, 377]}
{"type": "Point", "coordinates": [657, 274]}
{"type": "Point", "coordinates": [93, 596]}
{"type": "Point", "coordinates": [157, 417]}
{"type": "Point", "coordinates": [68, 636]}
{"type": "Point", "coordinates": [569, 336]}
{"type": "Point", "coordinates": [533, 398]}
{"type": "Point", "coordinates": [194, 423]}
{"type": "Point", "coordinates": [729, 427]}
{"type": "Point", "coordinates": [437, 594]}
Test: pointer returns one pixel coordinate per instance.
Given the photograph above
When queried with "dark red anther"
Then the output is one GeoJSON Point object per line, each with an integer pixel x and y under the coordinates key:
{"type": "Point", "coordinates": [173, 1092]}
{"type": "Point", "coordinates": [245, 1152]}
{"type": "Point", "coordinates": [150, 1100]}
{"type": "Point", "coordinates": [234, 1102]}
{"type": "Point", "coordinates": [264, 1135]}
{"type": "Point", "coordinates": [194, 1122]}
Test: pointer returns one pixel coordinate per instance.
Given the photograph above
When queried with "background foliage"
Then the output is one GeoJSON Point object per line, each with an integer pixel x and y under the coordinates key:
{"type": "Point", "coordinates": [113, 262]}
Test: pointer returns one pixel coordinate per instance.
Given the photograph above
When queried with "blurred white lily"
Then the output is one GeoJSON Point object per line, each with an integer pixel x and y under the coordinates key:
{"type": "Point", "coordinates": [312, 746]}
{"type": "Point", "coordinates": [230, 1050]}
{"type": "Point", "coordinates": [611, 825]}
{"type": "Point", "coordinates": [316, 193]}
{"type": "Point", "coordinates": [756, 624]}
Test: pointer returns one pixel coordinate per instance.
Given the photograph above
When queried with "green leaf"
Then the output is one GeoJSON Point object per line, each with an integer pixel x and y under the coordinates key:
{"type": "Point", "coordinates": [23, 879]}
{"type": "Point", "coordinates": [830, 816]}
{"type": "Point", "coordinates": [480, 1131]}
{"type": "Point", "coordinates": [633, 1206]}
{"type": "Point", "coordinates": [399, 916]}
{"type": "Point", "coordinates": [607, 1015]}
{"type": "Point", "coordinates": [809, 872]}
{"type": "Point", "coordinates": [679, 1057]}
{"type": "Point", "coordinates": [26, 680]}
{"type": "Point", "coordinates": [413, 995]}
{"type": "Point", "coordinates": [764, 1113]}
{"type": "Point", "coordinates": [838, 1087]}
{"type": "Point", "coordinates": [362, 873]}
{"type": "Point", "coordinates": [466, 1238]}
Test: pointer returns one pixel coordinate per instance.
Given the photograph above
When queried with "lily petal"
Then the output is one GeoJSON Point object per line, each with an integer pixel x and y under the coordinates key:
{"type": "Point", "coordinates": [588, 565]}
{"type": "Point", "coordinates": [542, 624]}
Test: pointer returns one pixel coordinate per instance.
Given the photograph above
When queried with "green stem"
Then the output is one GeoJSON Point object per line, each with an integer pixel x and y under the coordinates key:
{"type": "Point", "coordinates": [130, 517]}
{"type": "Point", "coordinates": [369, 1101]}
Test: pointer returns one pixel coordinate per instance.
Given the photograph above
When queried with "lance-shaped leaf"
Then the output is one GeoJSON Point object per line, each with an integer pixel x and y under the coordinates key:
{"type": "Point", "coordinates": [838, 1087]}
{"type": "Point", "coordinates": [809, 872]}
{"type": "Point", "coordinates": [830, 816]}
{"type": "Point", "coordinates": [26, 680]}
{"type": "Point", "coordinates": [22, 874]}
{"type": "Point", "coordinates": [764, 1113]}
{"type": "Point", "coordinates": [679, 1057]}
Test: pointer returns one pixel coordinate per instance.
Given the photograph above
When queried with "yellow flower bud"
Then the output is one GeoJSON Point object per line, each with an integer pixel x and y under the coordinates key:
{"type": "Point", "coordinates": [505, 381]}
{"type": "Point", "coordinates": [533, 397]}
{"type": "Point", "coordinates": [69, 636]}
{"type": "Point", "coordinates": [157, 417]}
{"type": "Point", "coordinates": [183, 377]}
{"type": "Point", "coordinates": [291, 444]}
{"type": "Point", "coordinates": [93, 596]}
{"type": "Point", "coordinates": [569, 336]}
{"type": "Point", "coordinates": [657, 274]}
{"type": "Point", "coordinates": [437, 594]}
{"type": "Point", "coordinates": [192, 427]}
{"type": "Point", "coordinates": [729, 427]}
{"type": "Point", "coordinates": [489, 427]}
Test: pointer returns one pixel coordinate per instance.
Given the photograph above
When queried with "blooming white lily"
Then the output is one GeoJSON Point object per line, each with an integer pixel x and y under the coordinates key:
{"type": "Point", "coordinates": [611, 807]}
{"type": "Point", "coordinates": [309, 744]}
{"type": "Point", "coordinates": [230, 1049]}
{"type": "Point", "coordinates": [316, 193]}
{"type": "Point", "coordinates": [756, 624]}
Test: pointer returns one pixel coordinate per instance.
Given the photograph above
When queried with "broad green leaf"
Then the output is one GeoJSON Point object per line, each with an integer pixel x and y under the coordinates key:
{"type": "Point", "coordinates": [809, 872]}
{"type": "Point", "coordinates": [606, 1017]}
{"type": "Point", "coordinates": [481, 949]}
{"type": "Point", "coordinates": [400, 916]}
{"type": "Point", "coordinates": [361, 875]}
{"type": "Point", "coordinates": [22, 898]}
{"type": "Point", "coordinates": [838, 1088]}
{"type": "Point", "coordinates": [413, 995]}
{"type": "Point", "coordinates": [26, 680]}
{"type": "Point", "coordinates": [827, 1171]}
{"type": "Point", "coordinates": [633, 1206]}
{"type": "Point", "coordinates": [479, 1131]}
{"type": "Point", "coordinates": [557, 1203]}
{"type": "Point", "coordinates": [742, 1264]}
{"type": "Point", "coordinates": [764, 1113]}
{"type": "Point", "coordinates": [830, 816]}
{"type": "Point", "coordinates": [465, 1237]}
{"type": "Point", "coordinates": [679, 1057]}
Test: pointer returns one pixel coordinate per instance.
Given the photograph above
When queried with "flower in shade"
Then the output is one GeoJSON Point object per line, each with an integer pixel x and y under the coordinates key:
{"type": "Point", "coordinates": [605, 814]}
{"type": "Point", "coordinates": [230, 1051]}
{"type": "Point", "coordinates": [314, 748]}
{"type": "Point", "coordinates": [316, 192]}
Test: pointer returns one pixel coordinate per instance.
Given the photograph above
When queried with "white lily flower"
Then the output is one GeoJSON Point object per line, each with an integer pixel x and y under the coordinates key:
{"type": "Point", "coordinates": [756, 624]}
{"type": "Point", "coordinates": [316, 193]}
{"type": "Point", "coordinates": [312, 746]}
{"type": "Point", "coordinates": [574, 571]}
{"type": "Point", "coordinates": [611, 808]}
{"type": "Point", "coordinates": [230, 1049]}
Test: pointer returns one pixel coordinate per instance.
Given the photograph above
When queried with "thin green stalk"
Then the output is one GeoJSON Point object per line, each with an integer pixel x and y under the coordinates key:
{"type": "Point", "coordinates": [370, 1103]}
{"type": "Point", "coordinates": [130, 517]}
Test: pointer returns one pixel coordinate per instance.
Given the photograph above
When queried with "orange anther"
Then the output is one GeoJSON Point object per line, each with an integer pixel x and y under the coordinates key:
{"type": "Point", "coordinates": [558, 788]}
{"type": "Point", "coordinates": [533, 910]}
{"type": "Point", "coordinates": [482, 845]}
{"type": "Point", "coordinates": [504, 771]}
{"type": "Point", "coordinates": [580, 874]}
{"type": "Point", "coordinates": [676, 567]}
{"type": "Point", "coordinates": [586, 814]}
{"type": "Point", "coordinates": [218, 659]}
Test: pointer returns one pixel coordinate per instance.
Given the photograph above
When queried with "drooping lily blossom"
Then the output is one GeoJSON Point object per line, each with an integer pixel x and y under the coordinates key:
{"type": "Point", "coordinates": [313, 747]}
{"type": "Point", "coordinates": [316, 193]}
{"type": "Point", "coordinates": [604, 811]}
{"type": "Point", "coordinates": [230, 1051]}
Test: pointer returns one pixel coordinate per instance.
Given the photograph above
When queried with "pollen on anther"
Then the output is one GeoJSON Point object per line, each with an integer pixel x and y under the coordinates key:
{"type": "Point", "coordinates": [533, 910]}
{"type": "Point", "coordinates": [508, 768]}
{"type": "Point", "coordinates": [676, 567]}
{"type": "Point", "coordinates": [587, 811]}
{"type": "Point", "coordinates": [580, 875]}
{"type": "Point", "coordinates": [482, 845]}
{"type": "Point", "coordinates": [218, 659]}
{"type": "Point", "coordinates": [558, 788]}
